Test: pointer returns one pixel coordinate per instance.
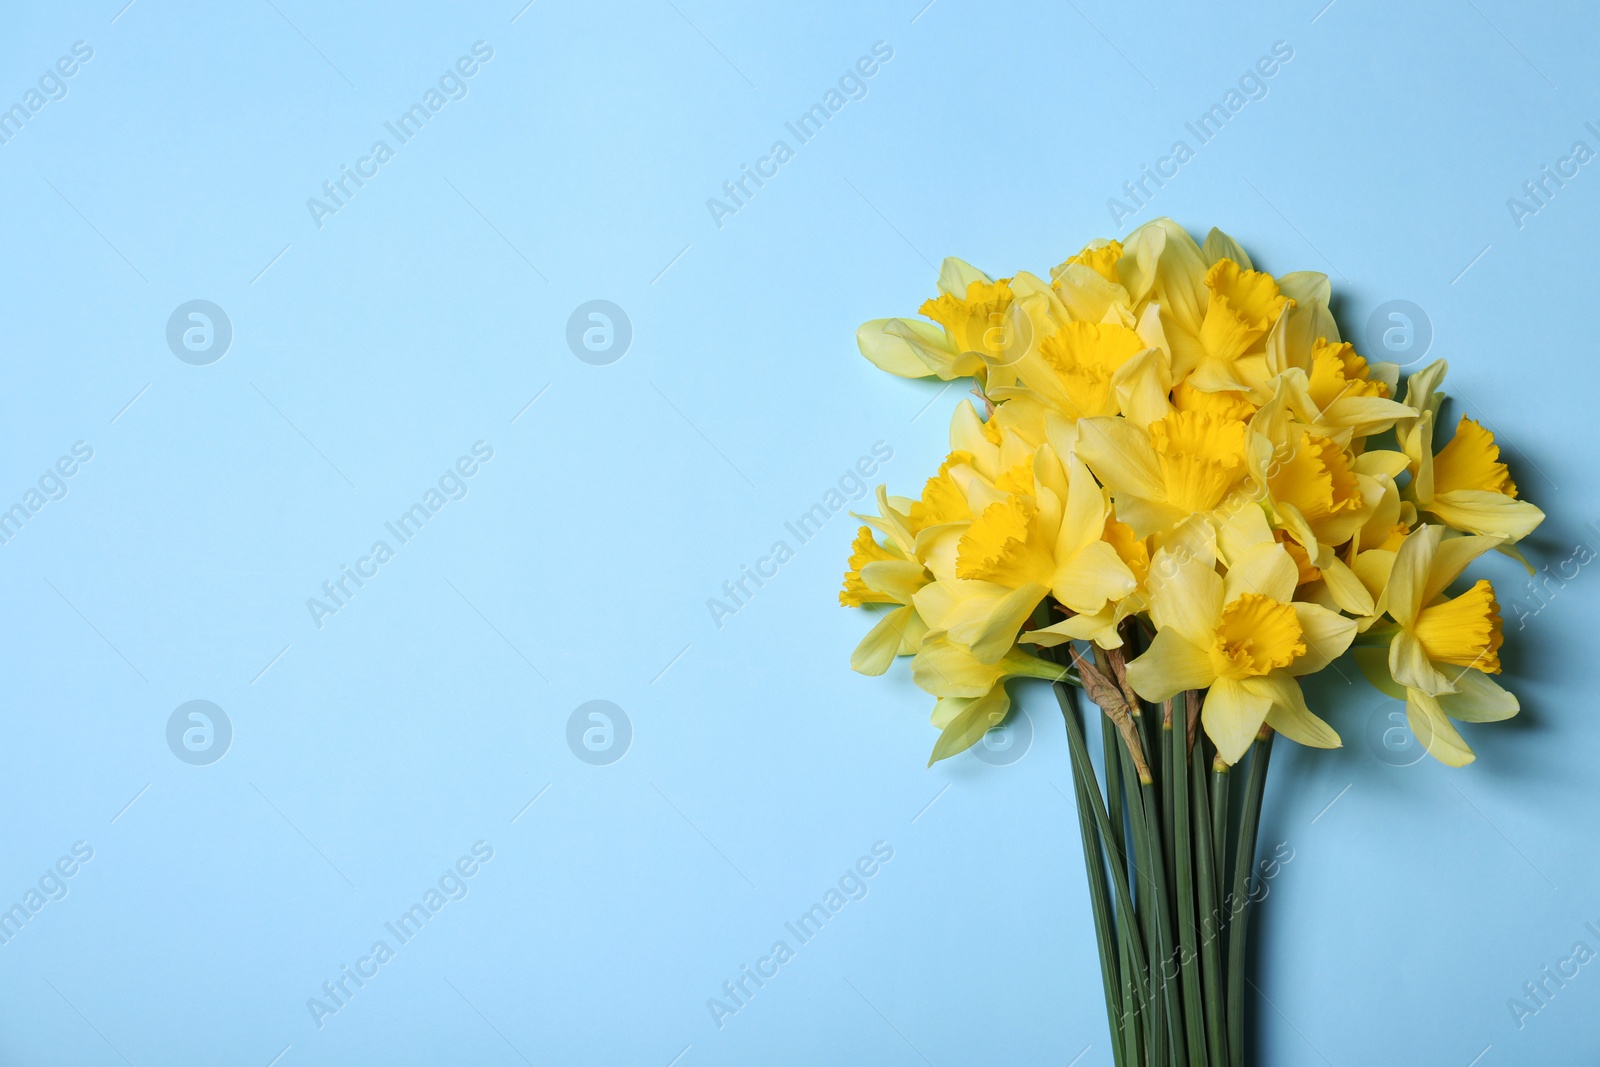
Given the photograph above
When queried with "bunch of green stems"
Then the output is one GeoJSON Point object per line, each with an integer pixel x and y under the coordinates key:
{"type": "Point", "coordinates": [1169, 856]}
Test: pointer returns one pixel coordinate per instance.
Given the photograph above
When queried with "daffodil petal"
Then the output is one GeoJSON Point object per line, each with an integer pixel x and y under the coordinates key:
{"type": "Point", "coordinates": [906, 347]}
{"type": "Point", "coordinates": [1451, 558]}
{"type": "Point", "coordinates": [1091, 577]}
{"type": "Point", "coordinates": [1169, 666]}
{"type": "Point", "coordinates": [1289, 714]}
{"type": "Point", "coordinates": [898, 578]}
{"type": "Point", "coordinates": [1327, 635]}
{"type": "Point", "coordinates": [1482, 512]}
{"type": "Point", "coordinates": [1263, 568]}
{"type": "Point", "coordinates": [1374, 664]}
{"type": "Point", "coordinates": [1121, 456]}
{"type": "Point", "coordinates": [878, 649]}
{"type": "Point", "coordinates": [1345, 588]}
{"type": "Point", "coordinates": [945, 669]}
{"type": "Point", "coordinates": [1232, 716]}
{"type": "Point", "coordinates": [998, 632]}
{"type": "Point", "coordinates": [1185, 595]}
{"type": "Point", "coordinates": [971, 719]}
{"type": "Point", "coordinates": [1434, 730]}
{"type": "Point", "coordinates": [1408, 578]}
{"type": "Point", "coordinates": [1409, 665]}
{"type": "Point", "coordinates": [1478, 698]}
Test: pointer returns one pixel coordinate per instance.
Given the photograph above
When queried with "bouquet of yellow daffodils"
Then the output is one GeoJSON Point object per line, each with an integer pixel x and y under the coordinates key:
{"type": "Point", "coordinates": [1180, 493]}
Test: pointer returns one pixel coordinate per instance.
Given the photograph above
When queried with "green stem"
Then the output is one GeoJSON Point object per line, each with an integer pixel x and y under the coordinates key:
{"type": "Point", "coordinates": [1116, 850]}
{"type": "Point", "coordinates": [1158, 880]}
{"type": "Point", "coordinates": [1244, 860]}
{"type": "Point", "coordinates": [1219, 831]}
{"type": "Point", "coordinates": [1168, 803]}
{"type": "Point", "coordinates": [1083, 771]}
{"type": "Point", "coordinates": [1083, 781]}
{"type": "Point", "coordinates": [1210, 920]}
{"type": "Point", "coordinates": [1183, 876]}
{"type": "Point", "coordinates": [1155, 1027]}
{"type": "Point", "coordinates": [1119, 853]}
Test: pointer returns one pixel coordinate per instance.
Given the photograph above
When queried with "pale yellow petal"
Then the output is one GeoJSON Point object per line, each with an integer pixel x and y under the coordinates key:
{"type": "Point", "coordinates": [1374, 664]}
{"type": "Point", "coordinates": [1142, 385]}
{"type": "Point", "coordinates": [1451, 558]}
{"type": "Point", "coordinates": [1408, 578]}
{"type": "Point", "coordinates": [1327, 635]}
{"type": "Point", "coordinates": [1346, 589]}
{"type": "Point", "coordinates": [945, 669]}
{"type": "Point", "coordinates": [1232, 716]}
{"type": "Point", "coordinates": [898, 578]}
{"type": "Point", "coordinates": [996, 634]}
{"type": "Point", "coordinates": [1289, 714]}
{"type": "Point", "coordinates": [878, 649]}
{"type": "Point", "coordinates": [1409, 665]}
{"type": "Point", "coordinates": [1100, 627]}
{"type": "Point", "coordinates": [1478, 698]}
{"type": "Point", "coordinates": [1083, 516]}
{"type": "Point", "coordinates": [1379, 462]}
{"type": "Point", "coordinates": [1169, 666]}
{"type": "Point", "coordinates": [1364, 415]}
{"type": "Point", "coordinates": [967, 721]}
{"type": "Point", "coordinates": [1263, 568]}
{"type": "Point", "coordinates": [1121, 456]}
{"type": "Point", "coordinates": [1244, 529]}
{"type": "Point", "coordinates": [1185, 595]}
{"type": "Point", "coordinates": [1482, 512]}
{"type": "Point", "coordinates": [906, 347]}
{"type": "Point", "coordinates": [1091, 577]}
{"type": "Point", "coordinates": [1219, 245]}
{"type": "Point", "coordinates": [1435, 731]}
{"type": "Point", "coordinates": [956, 274]}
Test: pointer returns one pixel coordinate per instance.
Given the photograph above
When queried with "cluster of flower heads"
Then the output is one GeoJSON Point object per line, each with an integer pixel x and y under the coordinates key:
{"type": "Point", "coordinates": [1177, 451]}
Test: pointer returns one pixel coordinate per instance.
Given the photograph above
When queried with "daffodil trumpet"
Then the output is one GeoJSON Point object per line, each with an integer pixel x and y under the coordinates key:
{"type": "Point", "coordinates": [1176, 493]}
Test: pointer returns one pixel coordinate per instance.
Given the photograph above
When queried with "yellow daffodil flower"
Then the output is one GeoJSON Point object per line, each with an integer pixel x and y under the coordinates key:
{"type": "Point", "coordinates": [1045, 538]}
{"type": "Point", "coordinates": [1442, 649]}
{"type": "Point", "coordinates": [1464, 485]}
{"type": "Point", "coordinates": [969, 326]}
{"type": "Point", "coordinates": [883, 574]}
{"type": "Point", "coordinates": [1245, 639]}
{"type": "Point", "coordinates": [1185, 463]}
{"type": "Point", "coordinates": [1172, 441]}
{"type": "Point", "coordinates": [971, 694]}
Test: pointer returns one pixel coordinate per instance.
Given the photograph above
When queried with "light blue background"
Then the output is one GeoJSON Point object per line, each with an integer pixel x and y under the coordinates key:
{"type": "Point", "coordinates": [425, 715]}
